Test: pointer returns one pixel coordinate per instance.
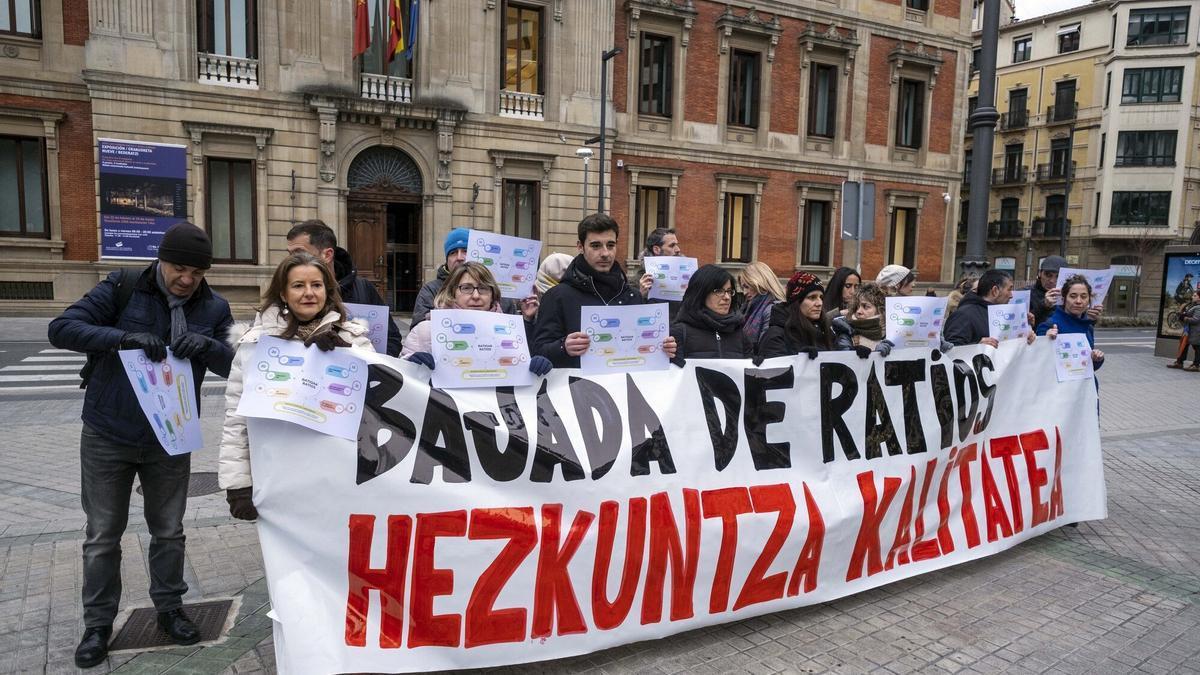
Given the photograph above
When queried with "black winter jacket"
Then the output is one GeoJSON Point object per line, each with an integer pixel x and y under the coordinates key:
{"type": "Point", "coordinates": [777, 341]}
{"type": "Point", "coordinates": [358, 290]}
{"type": "Point", "coordinates": [92, 325]}
{"type": "Point", "coordinates": [558, 315]}
{"type": "Point", "coordinates": [702, 342]}
{"type": "Point", "coordinates": [969, 323]}
{"type": "Point", "coordinates": [1037, 303]}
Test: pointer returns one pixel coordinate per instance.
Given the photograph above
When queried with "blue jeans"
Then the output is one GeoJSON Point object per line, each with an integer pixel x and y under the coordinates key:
{"type": "Point", "coordinates": [107, 470]}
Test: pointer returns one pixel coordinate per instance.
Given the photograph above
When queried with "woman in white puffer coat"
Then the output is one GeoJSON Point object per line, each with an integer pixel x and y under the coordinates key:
{"type": "Point", "coordinates": [302, 303]}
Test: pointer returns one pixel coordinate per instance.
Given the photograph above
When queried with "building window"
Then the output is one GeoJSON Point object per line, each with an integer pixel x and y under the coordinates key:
{"type": "Point", "coordinates": [522, 49]}
{"type": "Point", "coordinates": [903, 249]}
{"type": "Point", "coordinates": [972, 104]}
{"type": "Point", "coordinates": [650, 211]}
{"type": "Point", "coordinates": [1010, 210]}
{"type": "Point", "coordinates": [976, 54]}
{"type": "Point", "coordinates": [1056, 209]}
{"type": "Point", "coordinates": [1068, 38]}
{"type": "Point", "coordinates": [910, 113]}
{"type": "Point", "coordinates": [1022, 49]}
{"type": "Point", "coordinates": [23, 187]}
{"type": "Point", "coordinates": [1107, 88]}
{"type": "Point", "coordinates": [1060, 154]}
{"type": "Point", "coordinates": [380, 57]}
{"type": "Point", "coordinates": [1103, 143]}
{"type": "Point", "coordinates": [743, 88]}
{"type": "Point", "coordinates": [1146, 148]}
{"type": "Point", "coordinates": [919, 5]}
{"type": "Point", "coordinates": [521, 213]}
{"type": "Point", "coordinates": [1152, 85]}
{"type": "Point", "coordinates": [654, 87]}
{"type": "Point", "coordinates": [1014, 153]}
{"type": "Point", "coordinates": [21, 17]}
{"type": "Point", "coordinates": [231, 208]}
{"type": "Point", "coordinates": [227, 28]}
{"type": "Point", "coordinates": [822, 100]}
{"type": "Point", "coordinates": [1158, 26]}
{"type": "Point", "coordinates": [1140, 209]}
{"type": "Point", "coordinates": [816, 232]}
{"type": "Point", "coordinates": [737, 232]}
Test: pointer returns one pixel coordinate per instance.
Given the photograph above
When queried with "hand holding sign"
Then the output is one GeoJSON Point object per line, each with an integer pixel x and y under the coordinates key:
{"type": "Point", "coordinates": [915, 322]}
{"type": "Point", "coordinates": [474, 348]}
{"type": "Point", "coordinates": [625, 338]}
{"type": "Point", "coordinates": [669, 276]}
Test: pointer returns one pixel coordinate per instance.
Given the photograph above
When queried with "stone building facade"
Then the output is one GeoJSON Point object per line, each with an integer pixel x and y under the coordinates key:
{"type": "Point", "coordinates": [479, 127]}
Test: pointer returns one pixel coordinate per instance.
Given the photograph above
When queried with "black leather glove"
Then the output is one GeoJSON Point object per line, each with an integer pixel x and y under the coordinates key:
{"type": "Point", "coordinates": [241, 506]}
{"type": "Point", "coordinates": [757, 360]}
{"type": "Point", "coordinates": [862, 351]}
{"type": "Point", "coordinates": [679, 361]}
{"type": "Point", "coordinates": [326, 340]}
{"type": "Point", "coordinates": [811, 351]}
{"type": "Point", "coordinates": [190, 345]}
{"type": "Point", "coordinates": [426, 359]}
{"type": "Point", "coordinates": [155, 348]}
{"type": "Point", "coordinates": [538, 365]}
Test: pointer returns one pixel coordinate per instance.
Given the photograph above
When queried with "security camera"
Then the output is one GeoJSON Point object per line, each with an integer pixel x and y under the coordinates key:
{"type": "Point", "coordinates": [946, 197]}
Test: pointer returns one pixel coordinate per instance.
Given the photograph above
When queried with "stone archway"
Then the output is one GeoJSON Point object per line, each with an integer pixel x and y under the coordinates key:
{"type": "Point", "coordinates": [384, 222]}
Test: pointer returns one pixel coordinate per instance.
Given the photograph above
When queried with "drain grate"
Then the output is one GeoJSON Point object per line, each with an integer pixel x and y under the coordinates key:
{"type": "Point", "coordinates": [141, 631]}
{"type": "Point", "coordinates": [199, 484]}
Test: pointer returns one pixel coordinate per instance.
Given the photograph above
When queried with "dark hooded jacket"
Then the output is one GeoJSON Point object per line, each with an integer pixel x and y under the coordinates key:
{"type": "Point", "coordinates": [358, 290]}
{"type": "Point", "coordinates": [1037, 302]}
{"type": "Point", "coordinates": [558, 315]}
{"type": "Point", "coordinates": [969, 323]}
{"type": "Point", "coordinates": [701, 336]}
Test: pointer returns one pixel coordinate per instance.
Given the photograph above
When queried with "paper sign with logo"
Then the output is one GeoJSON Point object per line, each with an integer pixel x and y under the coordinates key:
{"type": "Point", "coordinates": [376, 317]}
{"type": "Point", "coordinates": [167, 396]}
{"type": "Point", "coordinates": [1100, 281]}
{"type": "Point", "coordinates": [513, 261]}
{"type": "Point", "coordinates": [1073, 358]}
{"type": "Point", "coordinates": [474, 348]}
{"type": "Point", "coordinates": [1008, 322]}
{"type": "Point", "coordinates": [670, 274]}
{"type": "Point", "coordinates": [915, 322]}
{"type": "Point", "coordinates": [624, 338]}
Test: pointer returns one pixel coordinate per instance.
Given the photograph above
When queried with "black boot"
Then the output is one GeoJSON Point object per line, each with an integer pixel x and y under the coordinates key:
{"type": "Point", "coordinates": [93, 648]}
{"type": "Point", "coordinates": [179, 627]}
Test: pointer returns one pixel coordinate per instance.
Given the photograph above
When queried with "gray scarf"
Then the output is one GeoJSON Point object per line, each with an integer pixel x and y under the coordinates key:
{"type": "Point", "coordinates": [175, 303]}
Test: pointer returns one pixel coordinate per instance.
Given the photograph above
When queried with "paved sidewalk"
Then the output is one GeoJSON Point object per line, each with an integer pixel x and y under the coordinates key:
{"type": "Point", "coordinates": [1113, 596]}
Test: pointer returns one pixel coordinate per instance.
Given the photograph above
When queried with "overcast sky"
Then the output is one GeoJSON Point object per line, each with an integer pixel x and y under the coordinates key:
{"type": "Point", "coordinates": [1028, 9]}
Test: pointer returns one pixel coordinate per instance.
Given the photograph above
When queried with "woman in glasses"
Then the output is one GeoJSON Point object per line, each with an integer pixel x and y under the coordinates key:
{"type": "Point", "coordinates": [470, 286]}
{"type": "Point", "coordinates": [709, 323]}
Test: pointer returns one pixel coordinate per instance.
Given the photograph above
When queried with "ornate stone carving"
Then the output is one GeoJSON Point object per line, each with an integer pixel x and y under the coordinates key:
{"type": "Point", "coordinates": [682, 10]}
{"type": "Point", "coordinates": [328, 138]}
{"type": "Point", "coordinates": [384, 169]}
{"type": "Point", "coordinates": [751, 23]}
{"type": "Point", "coordinates": [833, 40]}
{"type": "Point", "coordinates": [920, 56]}
{"type": "Point", "coordinates": [445, 148]}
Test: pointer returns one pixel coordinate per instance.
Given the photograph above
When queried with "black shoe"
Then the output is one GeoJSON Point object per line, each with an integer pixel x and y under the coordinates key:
{"type": "Point", "coordinates": [93, 648]}
{"type": "Point", "coordinates": [179, 627]}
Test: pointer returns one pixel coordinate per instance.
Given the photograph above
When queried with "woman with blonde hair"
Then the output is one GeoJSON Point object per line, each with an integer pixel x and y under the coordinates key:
{"type": "Point", "coordinates": [761, 289]}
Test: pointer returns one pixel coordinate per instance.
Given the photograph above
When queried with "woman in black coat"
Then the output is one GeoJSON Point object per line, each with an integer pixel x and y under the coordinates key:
{"type": "Point", "coordinates": [708, 325]}
{"type": "Point", "coordinates": [799, 325]}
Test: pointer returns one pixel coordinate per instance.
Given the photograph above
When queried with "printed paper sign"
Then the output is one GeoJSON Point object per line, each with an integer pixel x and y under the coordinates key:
{"type": "Point", "coordinates": [376, 317]}
{"type": "Point", "coordinates": [474, 348]}
{"type": "Point", "coordinates": [1021, 298]}
{"type": "Point", "coordinates": [624, 338]}
{"type": "Point", "coordinates": [1008, 322]}
{"type": "Point", "coordinates": [512, 260]}
{"type": "Point", "coordinates": [1099, 279]}
{"type": "Point", "coordinates": [670, 274]}
{"type": "Point", "coordinates": [1073, 358]}
{"type": "Point", "coordinates": [322, 391]}
{"type": "Point", "coordinates": [915, 322]}
{"type": "Point", "coordinates": [167, 396]}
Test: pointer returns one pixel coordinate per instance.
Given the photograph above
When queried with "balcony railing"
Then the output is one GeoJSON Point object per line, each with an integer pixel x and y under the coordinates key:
{"type": "Point", "coordinates": [518, 104]}
{"type": "Point", "coordinates": [1048, 228]}
{"type": "Point", "coordinates": [386, 88]}
{"type": "Point", "coordinates": [1005, 229]}
{"type": "Point", "coordinates": [230, 71]}
{"type": "Point", "coordinates": [1144, 160]}
{"type": "Point", "coordinates": [1010, 175]}
{"type": "Point", "coordinates": [1061, 112]}
{"type": "Point", "coordinates": [1053, 172]}
{"type": "Point", "coordinates": [1014, 119]}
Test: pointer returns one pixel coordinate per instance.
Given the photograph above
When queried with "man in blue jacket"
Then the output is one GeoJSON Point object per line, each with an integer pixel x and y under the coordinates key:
{"type": "Point", "coordinates": [167, 304]}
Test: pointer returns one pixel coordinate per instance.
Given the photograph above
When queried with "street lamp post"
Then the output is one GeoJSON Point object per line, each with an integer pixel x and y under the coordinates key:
{"type": "Point", "coordinates": [586, 155]}
{"type": "Point", "coordinates": [604, 59]}
{"type": "Point", "coordinates": [983, 126]}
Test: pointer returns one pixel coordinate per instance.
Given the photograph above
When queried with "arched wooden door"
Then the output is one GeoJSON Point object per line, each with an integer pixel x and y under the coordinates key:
{"type": "Point", "coordinates": [384, 223]}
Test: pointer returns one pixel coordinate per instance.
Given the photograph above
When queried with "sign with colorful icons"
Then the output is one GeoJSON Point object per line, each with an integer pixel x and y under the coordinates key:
{"type": "Point", "coordinates": [915, 321]}
{"type": "Point", "coordinates": [474, 348]}
{"type": "Point", "coordinates": [1008, 322]}
{"type": "Point", "coordinates": [376, 317]}
{"type": "Point", "coordinates": [1100, 281]}
{"type": "Point", "coordinates": [513, 261]}
{"type": "Point", "coordinates": [1073, 357]}
{"type": "Point", "coordinates": [167, 396]}
{"type": "Point", "coordinates": [322, 391]}
{"type": "Point", "coordinates": [1021, 298]}
{"type": "Point", "coordinates": [624, 338]}
{"type": "Point", "coordinates": [670, 274]}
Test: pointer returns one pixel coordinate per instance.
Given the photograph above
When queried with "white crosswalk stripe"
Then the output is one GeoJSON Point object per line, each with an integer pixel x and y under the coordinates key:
{"type": "Point", "coordinates": [57, 370]}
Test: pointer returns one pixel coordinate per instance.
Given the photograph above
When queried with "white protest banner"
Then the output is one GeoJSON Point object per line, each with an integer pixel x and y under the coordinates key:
{"type": "Point", "coordinates": [1008, 322]}
{"type": "Point", "coordinates": [376, 317]}
{"type": "Point", "coordinates": [1100, 281]}
{"type": "Point", "coordinates": [477, 528]}
{"type": "Point", "coordinates": [915, 322]}
{"type": "Point", "coordinates": [474, 348]}
{"type": "Point", "coordinates": [513, 261]}
{"type": "Point", "coordinates": [670, 274]}
{"type": "Point", "coordinates": [322, 391]}
{"type": "Point", "coordinates": [1073, 358]}
{"type": "Point", "coordinates": [167, 396]}
{"type": "Point", "coordinates": [625, 338]}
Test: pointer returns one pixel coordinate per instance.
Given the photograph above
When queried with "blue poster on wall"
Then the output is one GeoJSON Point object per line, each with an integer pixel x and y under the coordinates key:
{"type": "Point", "coordinates": [143, 191]}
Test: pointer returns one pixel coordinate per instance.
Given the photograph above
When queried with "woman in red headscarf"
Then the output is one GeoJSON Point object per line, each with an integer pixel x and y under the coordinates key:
{"type": "Point", "coordinates": [799, 325]}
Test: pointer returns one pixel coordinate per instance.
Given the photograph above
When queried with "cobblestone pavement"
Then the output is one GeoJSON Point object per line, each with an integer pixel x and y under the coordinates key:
{"type": "Point", "coordinates": [1113, 596]}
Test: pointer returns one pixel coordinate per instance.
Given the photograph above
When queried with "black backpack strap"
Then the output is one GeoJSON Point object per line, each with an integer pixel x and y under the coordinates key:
{"type": "Point", "coordinates": [126, 280]}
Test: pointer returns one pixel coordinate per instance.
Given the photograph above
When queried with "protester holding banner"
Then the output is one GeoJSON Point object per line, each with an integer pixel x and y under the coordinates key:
{"type": "Point", "coordinates": [594, 277]}
{"type": "Point", "coordinates": [968, 325]}
{"type": "Point", "coordinates": [302, 303]}
{"type": "Point", "coordinates": [799, 325]}
{"type": "Point", "coordinates": [896, 280]}
{"type": "Point", "coordinates": [762, 290]}
{"type": "Point", "coordinates": [1073, 315]}
{"type": "Point", "coordinates": [709, 326]}
{"type": "Point", "coordinates": [840, 292]}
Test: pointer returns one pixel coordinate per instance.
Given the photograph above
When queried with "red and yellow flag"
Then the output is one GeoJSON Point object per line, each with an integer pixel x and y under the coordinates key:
{"type": "Point", "coordinates": [397, 41]}
{"type": "Point", "coordinates": [362, 27]}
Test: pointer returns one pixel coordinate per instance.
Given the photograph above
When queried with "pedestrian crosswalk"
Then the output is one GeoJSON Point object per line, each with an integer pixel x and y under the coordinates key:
{"type": "Point", "coordinates": [52, 370]}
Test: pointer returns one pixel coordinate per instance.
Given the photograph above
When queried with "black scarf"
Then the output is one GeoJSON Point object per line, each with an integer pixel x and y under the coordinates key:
{"type": "Point", "coordinates": [707, 319]}
{"type": "Point", "coordinates": [608, 285]}
{"type": "Point", "coordinates": [871, 329]}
